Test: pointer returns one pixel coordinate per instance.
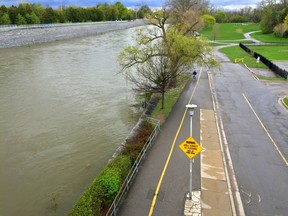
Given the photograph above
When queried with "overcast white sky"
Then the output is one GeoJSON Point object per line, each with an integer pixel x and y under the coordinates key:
{"type": "Point", "coordinates": [232, 4]}
{"type": "Point", "coordinates": [227, 4]}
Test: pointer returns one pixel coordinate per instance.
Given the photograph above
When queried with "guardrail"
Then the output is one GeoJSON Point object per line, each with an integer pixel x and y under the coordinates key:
{"type": "Point", "coordinates": [129, 179]}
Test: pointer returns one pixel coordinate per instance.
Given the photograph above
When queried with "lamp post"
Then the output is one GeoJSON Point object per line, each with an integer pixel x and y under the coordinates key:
{"type": "Point", "coordinates": [191, 108]}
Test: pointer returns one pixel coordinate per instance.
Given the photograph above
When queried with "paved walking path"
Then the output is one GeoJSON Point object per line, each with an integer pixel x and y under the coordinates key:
{"type": "Point", "coordinates": [211, 193]}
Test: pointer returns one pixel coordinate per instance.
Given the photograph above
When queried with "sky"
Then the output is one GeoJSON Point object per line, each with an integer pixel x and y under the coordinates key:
{"type": "Point", "coordinates": [226, 4]}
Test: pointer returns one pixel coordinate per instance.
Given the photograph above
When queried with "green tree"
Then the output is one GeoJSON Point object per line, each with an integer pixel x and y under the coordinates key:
{"type": "Point", "coordinates": [39, 10]}
{"type": "Point", "coordinates": [208, 20]}
{"type": "Point", "coordinates": [114, 13]}
{"type": "Point", "coordinates": [20, 20]}
{"type": "Point", "coordinates": [32, 18]}
{"type": "Point", "coordinates": [49, 16]}
{"type": "Point", "coordinates": [3, 9]}
{"type": "Point", "coordinates": [13, 12]}
{"type": "Point", "coordinates": [122, 10]}
{"type": "Point", "coordinates": [220, 17]}
{"type": "Point", "coordinates": [5, 19]}
{"type": "Point", "coordinates": [273, 14]}
{"type": "Point", "coordinates": [160, 54]}
{"type": "Point", "coordinates": [106, 11]}
{"type": "Point", "coordinates": [143, 11]}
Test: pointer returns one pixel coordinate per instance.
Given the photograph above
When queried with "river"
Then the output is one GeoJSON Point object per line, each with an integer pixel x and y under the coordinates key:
{"type": "Point", "coordinates": [64, 111]}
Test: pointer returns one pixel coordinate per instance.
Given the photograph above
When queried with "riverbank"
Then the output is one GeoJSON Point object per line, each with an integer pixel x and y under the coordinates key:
{"type": "Point", "coordinates": [21, 36]}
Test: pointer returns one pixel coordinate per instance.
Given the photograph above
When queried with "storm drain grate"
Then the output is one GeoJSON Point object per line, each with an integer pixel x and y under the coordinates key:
{"type": "Point", "coordinates": [160, 196]}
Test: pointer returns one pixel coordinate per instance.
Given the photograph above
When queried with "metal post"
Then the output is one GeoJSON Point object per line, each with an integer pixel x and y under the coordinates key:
{"type": "Point", "coordinates": [191, 165]}
{"type": "Point", "coordinates": [191, 108]}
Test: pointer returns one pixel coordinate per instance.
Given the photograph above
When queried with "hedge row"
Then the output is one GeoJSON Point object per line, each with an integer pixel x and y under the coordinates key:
{"type": "Point", "coordinates": [101, 193]}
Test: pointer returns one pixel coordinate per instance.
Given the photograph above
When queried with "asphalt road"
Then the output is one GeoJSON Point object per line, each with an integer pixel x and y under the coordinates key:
{"type": "Point", "coordinates": [256, 128]}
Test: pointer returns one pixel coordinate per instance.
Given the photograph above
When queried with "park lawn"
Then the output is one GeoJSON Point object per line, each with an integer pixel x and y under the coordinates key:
{"type": "Point", "coordinates": [236, 52]}
{"type": "Point", "coordinates": [229, 31]}
{"type": "Point", "coordinates": [268, 38]}
{"type": "Point", "coordinates": [286, 101]}
{"type": "Point", "coordinates": [272, 53]}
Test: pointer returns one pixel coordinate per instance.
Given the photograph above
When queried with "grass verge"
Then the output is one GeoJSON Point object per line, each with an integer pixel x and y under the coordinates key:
{"type": "Point", "coordinates": [236, 52]}
{"type": "Point", "coordinates": [171, 98]}
{"type": "Point", "coordinates": [286, 101]}
{"type": "Point", "coordinates": [271, 78]}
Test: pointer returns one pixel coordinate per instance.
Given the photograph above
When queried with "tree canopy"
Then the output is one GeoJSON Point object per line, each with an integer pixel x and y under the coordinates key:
{"type": "Point", "coordinates": [165, 48]}
{"type": "Point", "coordinates": [27, 13]}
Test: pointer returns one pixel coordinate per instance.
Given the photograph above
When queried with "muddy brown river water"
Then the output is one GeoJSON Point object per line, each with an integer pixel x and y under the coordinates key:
{"type": "Point", "coordinates": [63, 112]}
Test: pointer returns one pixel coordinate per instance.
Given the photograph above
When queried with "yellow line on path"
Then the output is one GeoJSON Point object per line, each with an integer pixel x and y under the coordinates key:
{"type": "Point", "coordinates": [171, 150]}
{"type": "Point", "coordinates": [274, 143]}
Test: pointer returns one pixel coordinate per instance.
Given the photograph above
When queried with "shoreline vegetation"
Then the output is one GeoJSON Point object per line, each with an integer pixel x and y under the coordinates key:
{"type": "Point", "coordinates": [30, 35]}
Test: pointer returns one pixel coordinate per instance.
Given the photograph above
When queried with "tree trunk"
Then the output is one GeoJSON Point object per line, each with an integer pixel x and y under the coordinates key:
{"type": "Point", "coordinates": [162, 101]}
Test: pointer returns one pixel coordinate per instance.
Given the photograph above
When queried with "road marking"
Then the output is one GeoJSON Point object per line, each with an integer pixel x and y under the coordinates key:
{"type": "Point", "coordinates": [259, 120]}
{"type": "Point", "coordinates": [171, 150]}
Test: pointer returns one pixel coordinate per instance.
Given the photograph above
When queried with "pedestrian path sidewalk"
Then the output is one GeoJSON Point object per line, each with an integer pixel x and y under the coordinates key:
{"type": "Point", "coordinates": [214, 197]}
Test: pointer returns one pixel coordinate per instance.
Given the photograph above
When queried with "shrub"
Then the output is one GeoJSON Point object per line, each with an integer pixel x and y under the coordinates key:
{"type": "Point", "coordinates": [136, 143]}
{"type": "Point", "coordinates": [102, 192]}
{"type": "Point", "coordinates": [281, 30]}
{"type": "Point", "coordinates": [123, 163]}
{"type": "Point", "coordinates": [107, 185]}
{"type": "Point", "coordinates": [83, 207]}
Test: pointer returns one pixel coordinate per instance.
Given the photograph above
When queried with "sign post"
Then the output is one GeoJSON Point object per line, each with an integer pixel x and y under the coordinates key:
{"type": "Point", "coordinates": [190, 147]}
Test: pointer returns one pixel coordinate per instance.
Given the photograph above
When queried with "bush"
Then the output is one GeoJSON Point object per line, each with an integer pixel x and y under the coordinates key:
{"type": "Point", "coordinates": [103, 189]}
{"type": "Point", "coordinates": [108, 185]}
{"type": "Point", "coordinates": [136, 143]}
{"type": "Point", "coordinates": [83, 207]}
{"type": "Point", "coordinates": [123, 163]}
{"type": "Point", "coordinates": [281, 30]}
{"type": "Point", "coordinates": [102, 192]}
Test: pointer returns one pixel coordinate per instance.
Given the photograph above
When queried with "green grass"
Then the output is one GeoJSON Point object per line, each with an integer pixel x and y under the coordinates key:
{"type": "Point", "coordinates": [237, 52]}
{"type": "Point", "coordinates": [271, 78]}
{"type": "Point", "coordinates": [268, 38]}
{"type": "Point", "coordinates": [286, 101]}
{"type": "Point", "coordinates": [228, 31]}
{"type": "Point", "coordinates": [279, 53]}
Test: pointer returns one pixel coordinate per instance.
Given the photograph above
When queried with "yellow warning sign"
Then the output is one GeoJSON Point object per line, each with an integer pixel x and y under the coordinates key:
{"type": "Point", "coordinates": [190, 147]}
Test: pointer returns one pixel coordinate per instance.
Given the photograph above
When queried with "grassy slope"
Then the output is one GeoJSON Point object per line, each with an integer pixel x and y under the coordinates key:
{"type": "Point", "coordinates": [229, 31]}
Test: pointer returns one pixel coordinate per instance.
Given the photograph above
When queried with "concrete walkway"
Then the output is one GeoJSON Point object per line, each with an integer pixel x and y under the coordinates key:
{"type": "Point", "coordinates": [214, 197]}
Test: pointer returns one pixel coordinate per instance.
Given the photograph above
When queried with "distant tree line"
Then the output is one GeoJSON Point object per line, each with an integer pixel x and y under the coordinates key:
{"type": "Point", "coordinates": [26, 13]}
{"type": "Point", "coordinates": [271, 14]}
